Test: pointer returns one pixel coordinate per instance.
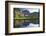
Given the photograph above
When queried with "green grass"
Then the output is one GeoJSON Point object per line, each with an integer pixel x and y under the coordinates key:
{"type": "Point", "coordinates": [22, 17]}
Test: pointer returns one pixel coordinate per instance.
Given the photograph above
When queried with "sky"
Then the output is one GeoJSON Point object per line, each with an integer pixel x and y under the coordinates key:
{"type": "Point", "coordinates": [31, 10]}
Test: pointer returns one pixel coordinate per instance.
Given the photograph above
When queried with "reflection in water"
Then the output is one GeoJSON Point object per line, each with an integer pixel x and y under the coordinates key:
{"type": "Point", "coordinates": [25, 23]}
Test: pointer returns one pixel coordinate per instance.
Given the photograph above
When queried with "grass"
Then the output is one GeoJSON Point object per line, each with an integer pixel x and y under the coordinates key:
{"type": "Point", "coordinates": [22, 17]}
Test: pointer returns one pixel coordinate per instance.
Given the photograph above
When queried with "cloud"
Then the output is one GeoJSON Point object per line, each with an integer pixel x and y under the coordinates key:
{"type": "Point", "coordinates": [31, 10]}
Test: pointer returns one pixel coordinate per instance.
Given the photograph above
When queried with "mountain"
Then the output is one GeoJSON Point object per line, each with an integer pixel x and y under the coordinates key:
{"type": "Point", "coordinates": [35, 14]}
{"type": "Point", "coordinates": [25, 12]}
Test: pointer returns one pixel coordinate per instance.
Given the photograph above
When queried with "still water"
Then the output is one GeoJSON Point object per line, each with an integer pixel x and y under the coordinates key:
{"type": "Point", "coordinates": [26, 23]}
